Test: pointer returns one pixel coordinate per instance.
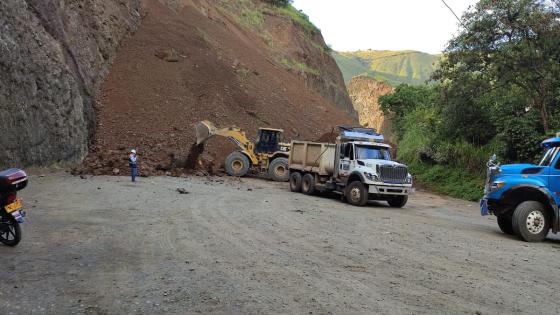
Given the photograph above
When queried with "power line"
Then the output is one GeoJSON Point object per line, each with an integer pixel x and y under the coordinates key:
{"type": "Point", "coordinates": [456, 16]}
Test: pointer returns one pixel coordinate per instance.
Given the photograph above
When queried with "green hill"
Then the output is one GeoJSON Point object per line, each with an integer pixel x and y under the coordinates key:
{"type": "Point", "coordinates": [393, 67]}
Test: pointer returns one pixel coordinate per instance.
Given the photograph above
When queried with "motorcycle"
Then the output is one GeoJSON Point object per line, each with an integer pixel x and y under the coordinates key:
{"type": "Point", "coordinates": [11, 207]}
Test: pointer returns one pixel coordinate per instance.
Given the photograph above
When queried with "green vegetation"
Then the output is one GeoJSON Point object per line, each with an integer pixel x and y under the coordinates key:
{"type": "Point", "coordinates": [291, 64]}
{"type": "Point", "coordinates": [252, 14]}
{"type": "Point", "coordinates": [393, 67]}
{"type": "Point", "coordinates": [497, 91]}
{"type": "Point", "coordinates": [252, 17]}
{"type": "Point", "coordinates": [279, 3]}
{"type": "Point", "coordinates": [297, 17]}
{"type": "Point", "coordinates": [245, 12]}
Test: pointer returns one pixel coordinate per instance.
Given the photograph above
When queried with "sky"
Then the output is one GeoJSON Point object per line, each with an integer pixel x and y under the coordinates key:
{"type": "Point", "coordinates": [348, 25]}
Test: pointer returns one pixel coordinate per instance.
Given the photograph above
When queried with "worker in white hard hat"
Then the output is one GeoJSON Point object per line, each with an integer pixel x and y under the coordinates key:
{"type": "Point", "coordinates": [132, 163]}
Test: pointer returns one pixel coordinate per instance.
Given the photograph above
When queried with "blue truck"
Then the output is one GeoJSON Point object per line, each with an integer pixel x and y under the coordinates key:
{"type": "Point", "coordinates": [525, 197]}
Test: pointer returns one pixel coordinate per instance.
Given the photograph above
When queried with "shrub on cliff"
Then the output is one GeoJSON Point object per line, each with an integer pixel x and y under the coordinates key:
{"type": "Point", "coordinates": [279, 3]}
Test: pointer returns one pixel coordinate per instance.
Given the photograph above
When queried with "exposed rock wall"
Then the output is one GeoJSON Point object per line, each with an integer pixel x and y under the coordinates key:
{"type": "Point", "coordinates": [53, 55]}
{"type": "Point", "coordinates": [365, 92]}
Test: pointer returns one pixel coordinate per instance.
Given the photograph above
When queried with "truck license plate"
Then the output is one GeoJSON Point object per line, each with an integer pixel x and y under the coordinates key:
{"type": "Point", "coordinates": [16, 205]}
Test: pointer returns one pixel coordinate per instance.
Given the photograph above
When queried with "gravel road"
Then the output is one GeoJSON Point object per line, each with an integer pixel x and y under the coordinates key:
{"type": "Point", "coordinates": [103, 245]}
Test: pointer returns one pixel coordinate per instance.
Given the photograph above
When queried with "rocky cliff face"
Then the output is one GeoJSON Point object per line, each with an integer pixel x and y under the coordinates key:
{"type": "Point", "coordinates": [53, 55]}
{"type": "Point", "coordinates": [365, 92]}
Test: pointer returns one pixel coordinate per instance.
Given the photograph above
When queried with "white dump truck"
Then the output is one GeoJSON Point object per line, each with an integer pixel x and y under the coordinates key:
{"type": "Point", "coordinates": [358, 166]}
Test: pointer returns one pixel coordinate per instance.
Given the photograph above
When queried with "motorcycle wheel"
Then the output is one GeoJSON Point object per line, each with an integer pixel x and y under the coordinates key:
{"type": "Point", "coordinates": [10, 231]}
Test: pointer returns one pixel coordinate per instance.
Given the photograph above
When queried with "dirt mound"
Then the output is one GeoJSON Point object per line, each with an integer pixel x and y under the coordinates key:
{"type": "Point", "coordinates": [219, 71]}
{"type": "Point", "coordinates": [329, 137]}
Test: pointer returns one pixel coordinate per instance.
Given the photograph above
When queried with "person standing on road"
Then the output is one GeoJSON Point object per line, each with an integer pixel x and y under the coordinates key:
{"type": "Point", "coordinates": [132, 159]}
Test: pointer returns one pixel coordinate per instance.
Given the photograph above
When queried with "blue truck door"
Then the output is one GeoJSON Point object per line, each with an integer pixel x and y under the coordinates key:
{"type": "Point", "coordinates": [554, 178]}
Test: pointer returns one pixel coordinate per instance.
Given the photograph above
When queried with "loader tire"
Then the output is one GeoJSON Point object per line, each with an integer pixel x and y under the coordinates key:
{"type": "Point", "coordinates": [531, 221]}
{"type": "Point", "coordinates": [237, 164]}
{"type": "Point", "coordinates": [278, 170]}
{"type": "Point", "coordinates": [308, 184]}
{"type": "Point", "coordinates": [295, 181]}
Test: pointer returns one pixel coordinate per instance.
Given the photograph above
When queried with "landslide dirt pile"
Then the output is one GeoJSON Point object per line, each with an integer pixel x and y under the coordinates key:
{"type": "Point", "coordinates": [53, 54]}
{"type": "Point", "coordinates": [365, 92]}
{"type": "Point", "coordinates": [190, 61]}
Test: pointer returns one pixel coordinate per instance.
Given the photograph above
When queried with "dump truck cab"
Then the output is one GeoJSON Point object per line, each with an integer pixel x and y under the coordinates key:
{"type": "Point", "coordinates": [525, 197]}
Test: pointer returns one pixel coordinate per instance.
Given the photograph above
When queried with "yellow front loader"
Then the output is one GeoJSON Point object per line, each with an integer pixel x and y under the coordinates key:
{"type": "Point", "coordinates": [267, 155]}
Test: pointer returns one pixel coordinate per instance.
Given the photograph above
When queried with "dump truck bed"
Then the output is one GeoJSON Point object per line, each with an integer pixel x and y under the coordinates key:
{"type": "Point", "coordinates": [313, 157]}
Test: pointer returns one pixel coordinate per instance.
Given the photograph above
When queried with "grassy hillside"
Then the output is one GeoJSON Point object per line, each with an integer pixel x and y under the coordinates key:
{"type": "Point", "coordinates": [393, 67]}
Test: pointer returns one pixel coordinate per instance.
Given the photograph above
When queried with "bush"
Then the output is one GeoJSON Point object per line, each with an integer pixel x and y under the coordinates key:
{"type": "Point", "coordinates": [279, 3]}
{"type": "Point", "coordinates": [452, 181]}
{"type": "Point", "coordinates": [298, 17]}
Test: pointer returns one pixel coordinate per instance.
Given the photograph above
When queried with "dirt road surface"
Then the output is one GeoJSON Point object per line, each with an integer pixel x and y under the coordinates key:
{"type": "Point", "coordinates": [103, 245]}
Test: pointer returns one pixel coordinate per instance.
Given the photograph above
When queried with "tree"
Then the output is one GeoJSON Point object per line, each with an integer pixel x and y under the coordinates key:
{"type": "Point", "coordinates": [405, 99]}
{"type": "Point", "coordinates": [504, 44]}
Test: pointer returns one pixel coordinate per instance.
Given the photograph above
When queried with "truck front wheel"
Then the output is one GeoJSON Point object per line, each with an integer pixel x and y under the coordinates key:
{"type": "Point", "coordinates": [530, 221]}
{"type": "Point", "coordinates": [505, 224]}
{"type": "Point", "coordinates": [397, 201]}
{"type": "Point", "coordinates": [356, 194]}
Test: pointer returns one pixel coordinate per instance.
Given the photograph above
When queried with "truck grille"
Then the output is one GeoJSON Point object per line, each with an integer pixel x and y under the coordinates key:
{"type": "Point", "coordinates": [393, 174]}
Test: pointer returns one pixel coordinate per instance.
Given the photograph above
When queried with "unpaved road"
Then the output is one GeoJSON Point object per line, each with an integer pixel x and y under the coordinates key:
{"type": "Point", "coordinates": [103, 245]}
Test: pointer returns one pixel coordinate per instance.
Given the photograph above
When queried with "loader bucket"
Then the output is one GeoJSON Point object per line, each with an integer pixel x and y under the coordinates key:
{"type": "Point", "coordinates": [204, 131]}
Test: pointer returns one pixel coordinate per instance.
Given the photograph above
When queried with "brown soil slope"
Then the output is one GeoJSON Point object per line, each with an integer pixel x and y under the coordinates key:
{"type": "Point", "coordinates": [191, 62]}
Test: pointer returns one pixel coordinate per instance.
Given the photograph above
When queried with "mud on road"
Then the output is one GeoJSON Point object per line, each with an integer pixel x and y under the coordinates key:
{"type": "Point", "coordinates": [102, 245]}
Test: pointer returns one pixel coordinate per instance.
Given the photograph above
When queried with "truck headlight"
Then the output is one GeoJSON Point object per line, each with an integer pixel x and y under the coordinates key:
{"type": "Point", "coordinates": [409, 179]}
{"type": "Point", "coordinates": [497, 185]}
{"type": "Point", "coordinates": [371, 177]}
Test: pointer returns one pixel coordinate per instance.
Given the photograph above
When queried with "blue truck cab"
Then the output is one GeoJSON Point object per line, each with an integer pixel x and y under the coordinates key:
{"type": "Point", "coordinates": [525, 197]}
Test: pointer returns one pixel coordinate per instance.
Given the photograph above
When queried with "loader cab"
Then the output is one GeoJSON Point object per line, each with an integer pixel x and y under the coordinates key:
{"type": "Point", "coordinates": [268, 140]}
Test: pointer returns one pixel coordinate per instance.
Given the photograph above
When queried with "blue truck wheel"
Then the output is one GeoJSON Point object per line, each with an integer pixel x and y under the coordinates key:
{"type": "Point", "coordinates": [531, 221]}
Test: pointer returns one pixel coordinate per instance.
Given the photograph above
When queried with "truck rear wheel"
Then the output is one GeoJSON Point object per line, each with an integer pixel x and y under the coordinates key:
{"type": "Point", "coordinates": [278, 170]}
{"type": "Point", "coordinates": [505, 224]}
{"type": "Point", "coordinates": [530, 221]}
{"type": "Point", "coordinates": [295, 181]}
{"type": "Point", "coordinates": [237, 164]}
{"type": "Point", "coordinates": [356, 194]}
{"type": "Point", "coordinates": [308, 184]}
{"type": "Point", "coordinates": [398, 201]}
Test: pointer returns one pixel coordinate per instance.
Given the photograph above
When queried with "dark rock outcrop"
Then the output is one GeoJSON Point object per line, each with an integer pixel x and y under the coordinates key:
{"type": "Point", "coordinates": [365, 93]}
{"type": "Point", "coordinates": [53, 54]}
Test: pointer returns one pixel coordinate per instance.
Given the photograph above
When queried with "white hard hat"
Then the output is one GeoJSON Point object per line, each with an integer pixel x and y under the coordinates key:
{"type": "Point", "coordinates": [133, 151]}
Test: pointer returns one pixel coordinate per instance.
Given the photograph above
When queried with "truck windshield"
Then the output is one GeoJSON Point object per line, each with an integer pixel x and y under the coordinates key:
{"type": "Point", "coordinates": [364, 152]}
{"type": "Point", "coordinates": [548, 156]}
